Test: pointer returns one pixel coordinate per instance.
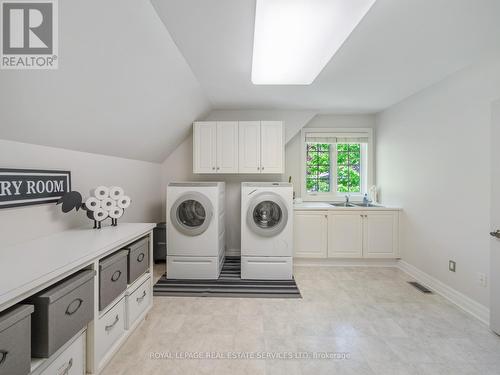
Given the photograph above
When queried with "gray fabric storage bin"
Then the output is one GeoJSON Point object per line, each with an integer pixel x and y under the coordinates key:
{"type": "Point", "coordinates": [60, 312]}
{"type": "Point", "coordinates": [112, 277]}
{"type": "Point", "coordinates": [138, 259]}
{"type": "Point", "coordinates": [15, 340]}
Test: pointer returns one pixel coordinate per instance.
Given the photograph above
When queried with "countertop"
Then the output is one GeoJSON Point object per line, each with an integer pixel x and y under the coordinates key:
{"type": "Point", "coordinates": [34, 265]}
{"type": "Point", "coordinates": [322, 206]}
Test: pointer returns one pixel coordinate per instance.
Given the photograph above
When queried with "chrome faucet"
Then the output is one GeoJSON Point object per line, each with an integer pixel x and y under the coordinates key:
{"type": "Point", "coordinates": [347, 197]}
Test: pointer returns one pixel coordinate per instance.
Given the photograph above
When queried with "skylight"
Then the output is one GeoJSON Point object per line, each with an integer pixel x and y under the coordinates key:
{"type": "Point", "coordinates": [295, 39]}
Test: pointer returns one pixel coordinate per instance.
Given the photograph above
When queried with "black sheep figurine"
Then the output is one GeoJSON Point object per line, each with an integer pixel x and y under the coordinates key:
{"type": "Point", "coordinates": [70, 201]}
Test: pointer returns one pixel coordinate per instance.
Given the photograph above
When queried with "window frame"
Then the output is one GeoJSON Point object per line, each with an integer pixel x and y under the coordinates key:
{"type": "Point", "coordinates": [367, 162]}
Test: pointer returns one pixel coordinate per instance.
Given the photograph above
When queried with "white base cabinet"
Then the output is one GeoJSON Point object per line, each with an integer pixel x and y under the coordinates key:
{"type": "Point", "coordinates": [380, 234]}
{"type": "Point", "coordinates": [346, 234]}
{"type": "Point", "coordinates": [310, 239]}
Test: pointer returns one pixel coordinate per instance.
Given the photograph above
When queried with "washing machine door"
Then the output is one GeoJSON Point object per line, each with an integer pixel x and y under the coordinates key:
{"type": "Point", "coordinates": [267, 214]}
{"type": "Point", "coordinates": [191, 213]}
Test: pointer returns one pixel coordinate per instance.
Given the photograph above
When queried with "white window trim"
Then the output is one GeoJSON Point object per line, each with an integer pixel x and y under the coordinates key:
{"type": "Point", "coordinates": [337, 132]}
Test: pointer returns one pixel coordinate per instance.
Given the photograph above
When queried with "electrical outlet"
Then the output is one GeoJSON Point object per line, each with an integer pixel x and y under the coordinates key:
{"type": "Point", "coordinates": [482, 279]}
{"type": "Point", "coordinates": [452, 266]}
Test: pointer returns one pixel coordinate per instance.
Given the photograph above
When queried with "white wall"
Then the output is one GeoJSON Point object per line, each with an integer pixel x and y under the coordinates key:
{"type": "Point", "coordinates": [433, 160]}
{"type": "Point", "coordinates": [179, 165]}
{"type": "Point", "coordinates": [293, 154]}
{"type": "Point", "coordinates": [141, 181]}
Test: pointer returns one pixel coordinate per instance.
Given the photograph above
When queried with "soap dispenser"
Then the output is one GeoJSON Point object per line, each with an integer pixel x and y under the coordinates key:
{"type": "Point", "coordinates": [366, 202]}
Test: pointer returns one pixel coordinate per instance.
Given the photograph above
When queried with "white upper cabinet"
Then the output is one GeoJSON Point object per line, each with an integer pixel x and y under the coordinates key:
{"type": "Point", "coordinates": [271, 135]}
{"type": "Point", "coordinates": [238, 147]}
{"type": "Point", "coordinates": [227, 147]}
{"type": "Point", "coordinates": [204, 147]}
{"type": "Point", "coordinates": [215, 147]}
{"type": "Point", "coordinates": [250, 147]}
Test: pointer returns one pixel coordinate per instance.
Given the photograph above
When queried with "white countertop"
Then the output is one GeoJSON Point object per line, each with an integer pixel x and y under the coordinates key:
{"type": "Point", "coordinates": [321, 206]}
{"type": "Point", "coordinates": [31, 265]}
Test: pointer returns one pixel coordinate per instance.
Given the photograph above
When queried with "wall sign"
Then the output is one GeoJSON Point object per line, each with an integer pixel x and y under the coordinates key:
{"type": "Point", "coordinates": [23, 187]}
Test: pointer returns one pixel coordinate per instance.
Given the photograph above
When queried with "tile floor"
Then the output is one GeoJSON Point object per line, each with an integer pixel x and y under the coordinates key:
{"type": "Point", "coordinates": [383, 324]}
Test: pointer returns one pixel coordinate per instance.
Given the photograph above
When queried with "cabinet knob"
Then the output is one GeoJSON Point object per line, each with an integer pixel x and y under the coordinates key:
{"type": "Point", "coordinates": [213, 168]}
{"type": "Point", "coordinates": [262, 168]}
{"type": "Point", "coordinates": [218, 168]}
{"type": "Point", "coordinates": [258, 168]}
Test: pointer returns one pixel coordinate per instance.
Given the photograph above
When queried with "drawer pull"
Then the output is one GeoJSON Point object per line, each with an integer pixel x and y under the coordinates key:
{"type": "Point", "coordinates": [110, 327]}
{"type": "Point", "coordinates": [68, 367]}
{"type": "Point", "coordinates": [3, 356]}
{"type": "Point", "coordinates": [140, 257]}
{"type": "Point", "coordinates": [139, 299]}
{"type": "Point", "coordinates": [74, 306]}
{"type": "Point", "coordinates": [116, 275]}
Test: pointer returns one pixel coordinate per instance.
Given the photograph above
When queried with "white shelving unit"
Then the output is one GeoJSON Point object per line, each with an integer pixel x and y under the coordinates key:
{"type": "Point", "coordinates": [56, 257]}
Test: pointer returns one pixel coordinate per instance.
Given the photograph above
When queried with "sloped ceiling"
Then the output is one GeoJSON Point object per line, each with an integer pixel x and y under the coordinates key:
{"type": "Point", "coordinates": [400, 47]}
{"type": "Point", "coordinates": [122, 87]}
{"type": "Point", "coordinates": [134, 75]}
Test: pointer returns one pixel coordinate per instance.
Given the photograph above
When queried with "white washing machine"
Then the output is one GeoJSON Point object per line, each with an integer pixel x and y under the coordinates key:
{"type": "Point", "coordinates": [195, 230]}
{"type": "Point", "coordinates": [266, 230]}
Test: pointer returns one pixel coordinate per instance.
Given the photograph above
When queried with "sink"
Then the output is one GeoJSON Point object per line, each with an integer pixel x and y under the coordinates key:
{"type": "Point", "coordinates": [367, 205]}
{"type": "Point", "coordinates": [342, 204]}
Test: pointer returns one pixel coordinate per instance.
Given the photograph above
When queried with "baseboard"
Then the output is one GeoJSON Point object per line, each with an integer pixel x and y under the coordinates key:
{"type": "Point", "coordinates": [333, 262]}
{"type": "Point", "coordinates": [467, 304]}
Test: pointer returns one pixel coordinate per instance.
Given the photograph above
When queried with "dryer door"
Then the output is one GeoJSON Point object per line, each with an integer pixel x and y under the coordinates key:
{"type": "Point", "coordinates": [267, 214]}
{"type": "Point", "coordinates": [192, 213]}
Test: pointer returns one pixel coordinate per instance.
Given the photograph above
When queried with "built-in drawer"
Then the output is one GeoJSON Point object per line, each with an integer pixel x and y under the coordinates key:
{"type": "Point", "coordinates": [71, 361]}
{"type": "Point", "coordinates": [15, 340]}
{"type": "Point", "coordinates": [112, 278]}
{"type": "Point", "coordinates": [138, 259]}
{"type": "Point", "coordinates": [266, 268]}
{"type": "Point", "coordinates": [179, 267]}
{"type": "Point", "coordinates": [137, 301]}
{"type": "Point", "coordinates": [109, 329]}
{"type": "Point", "coordinates": [60, 312]}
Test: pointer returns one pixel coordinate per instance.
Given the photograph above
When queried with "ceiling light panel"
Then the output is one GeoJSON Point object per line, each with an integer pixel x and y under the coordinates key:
{"type": "Point", "coordinates": [295, 39]}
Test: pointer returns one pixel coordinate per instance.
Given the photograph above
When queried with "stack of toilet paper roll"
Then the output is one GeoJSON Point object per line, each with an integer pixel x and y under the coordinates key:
{"type": "Point", "coordinates": [107, 202]}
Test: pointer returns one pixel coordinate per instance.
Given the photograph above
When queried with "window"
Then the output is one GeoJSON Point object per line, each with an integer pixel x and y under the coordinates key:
{"type": "Point", "coordinates": [348, 167]}
{"type": "Point", "coordinates": [318, 167]}
{"type": "Point", "coordinates": [336, 163]}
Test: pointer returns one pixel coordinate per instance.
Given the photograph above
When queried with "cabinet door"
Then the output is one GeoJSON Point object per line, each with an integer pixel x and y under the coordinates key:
{"type": "Point", "coordinates": [345, 235]}
{"type": "Point", "coordinates": [310, 231]}
{"type": "Point", "coordinates": [227, 147]}
{"type": "Point", "coordinates": [249, 146]}
{"type": "Point", "coordinates": [271, 133]}
{"type": "Point", "coordinates": [381, 234]}
{"type": "Point", "coordinates": [204, 147]}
